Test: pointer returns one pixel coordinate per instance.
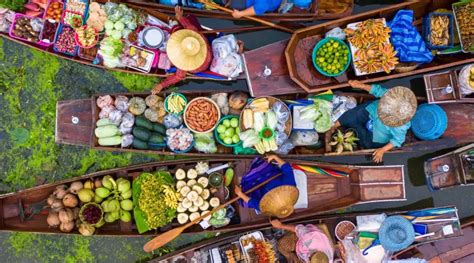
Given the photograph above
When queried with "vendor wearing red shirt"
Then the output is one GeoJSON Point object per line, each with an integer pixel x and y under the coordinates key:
{"type": "Point", "coordinates": [188, 50]}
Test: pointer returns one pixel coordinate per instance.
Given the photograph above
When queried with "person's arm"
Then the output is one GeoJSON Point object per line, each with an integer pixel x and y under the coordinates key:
{"type": "Point", "coordinates": [169, 81]}
{"type": "Point", "coordinates": [246, 12]}
{"type": "Point", "coordinates": [242, 195]}
{"type": "Point", "coordinates": [377, 156]}
{"type": "Point", "coordinates": [276, 158]}
{"type": "Point", "coordinates": [278, 224]}
{"type": "Point", "coordinates": [374, 89]}
{"type": "Point", "coordinates": [185, 23]}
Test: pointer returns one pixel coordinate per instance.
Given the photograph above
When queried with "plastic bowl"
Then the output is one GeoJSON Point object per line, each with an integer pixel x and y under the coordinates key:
{"type": "Point", "coordinates": [319, 45]}
{"type": "Point", "coordinates": [76, 38]}
{"type": "Point", "coordinates": [216, 134]}
{"type": "Point", "coordinates": [175, 94]}
{"type": "Point", "coordinates": [190, 147]}
{"type": "Point", "coordinates": [208, 100]}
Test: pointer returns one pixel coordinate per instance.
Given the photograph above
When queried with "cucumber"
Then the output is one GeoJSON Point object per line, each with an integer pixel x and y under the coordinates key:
{"type": "Point", "coordinates": [159, 128]}
{"type": "Point", "coordinates": [110, 141]}
{"type": "Point", "coordinates": [141, 121]}
{"type": "Point", "coordinates": [104, 122]}
{"type": "Point", "coordinates": [141, 133]}
{"type": "Point", "coordinates": [139, 144]}
{"type": "Point", "coordinates": [156, 138]}
{"type": "Point", "coordinates": [156, 146]}
{"type": "Point", "coordinates": [106, 131]}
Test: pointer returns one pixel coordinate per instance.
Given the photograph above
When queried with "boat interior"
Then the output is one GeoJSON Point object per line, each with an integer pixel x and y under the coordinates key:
{"type": "Point", "coordinates": [438, 84]}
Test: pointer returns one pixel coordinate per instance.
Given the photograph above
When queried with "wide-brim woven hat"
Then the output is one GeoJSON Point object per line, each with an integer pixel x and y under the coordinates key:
{"type": "Point", "coordinates": [319, 257]}
{"type": "Point", "coordinates": [396, 233]}
{"type": "Point", "coordinates": [279, 201]}
{"type": "Point", "coordinates": [187, 49]}
{"type": "Point", "coordinates": [397, 106]}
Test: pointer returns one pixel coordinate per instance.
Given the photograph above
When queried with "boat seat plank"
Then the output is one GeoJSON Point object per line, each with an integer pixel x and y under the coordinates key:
{"type": "Point", "coordinates": [380, 174]}
{"type": "Point", "coordinates": [461, 122]}
{"type": "Point", "coordinates": [381, 192]}
{"type": "Point", "coordinates": [279, 82]}
{"type": "Point", "coordinates": [68, 132]}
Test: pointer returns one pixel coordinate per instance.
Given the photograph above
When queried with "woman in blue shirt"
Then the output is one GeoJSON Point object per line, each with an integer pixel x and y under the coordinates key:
{"type": "Point", "coordinates": [253, 7]}
{"type": "Point", "coordinates": [383, 123]}
{"type": "Point", "coordinates": [281, 192]}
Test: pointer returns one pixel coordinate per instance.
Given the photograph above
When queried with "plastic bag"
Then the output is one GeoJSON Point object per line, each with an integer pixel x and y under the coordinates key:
{"type": "Point", "coordinates": [304, 138]}
{"type": "Point", "coordinates": [467, 85]}
{"type": "Point", "coordinates": [204, 142]}
{"type": "Point", "coordinates": [115, 116]}
{"type": "Point", "coordinates": [127, 140]}
{"type": "Point", "coordinates": [281, 111]}
{"type": "Point", "coordinates": [230, 66]}
{"type": "Point", "coordinates": [249, 138]}
{"type": "Point", "coordinates": [285, 148]}
{"type": "Point", "coordinates": [224, 46]}
{"type": "Point", "coordinates": [280, 137]}
{"type": "Point", "coordinates": [272, 120]}
{"type": "Point", "coordinates": [121, 103]}
{"type": "Point", "coordinates": [337, 33]}
{"type": "Point", "coordinates": [172, 120]}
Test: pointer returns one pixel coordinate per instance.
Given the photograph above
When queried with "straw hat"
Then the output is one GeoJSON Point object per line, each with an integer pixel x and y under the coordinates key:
{"type": "Point", "coordinates": [187, 49]}
{"type": "Point", "coordinates": [319, 257]}
{"type": "Point", "coordinates": [279, 201]}
{"type": "Point", "coordinates": [396, 233]}
{"type": "Point", "coordinates": [397, 106]}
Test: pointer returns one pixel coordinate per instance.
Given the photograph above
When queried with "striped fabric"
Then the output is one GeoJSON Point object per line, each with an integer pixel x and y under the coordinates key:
{"type": "Point", "coordinates": [406, 40]}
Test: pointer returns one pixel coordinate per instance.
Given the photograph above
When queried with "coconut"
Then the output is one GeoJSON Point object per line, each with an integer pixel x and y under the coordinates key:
{"type": "Point", "coordinates": [70, 200]}
{"type": "Point", "coordinates": [57, 205]}
{"type": "Point", "coordinates": [66, 215]}
{"type": "Point", "coordinates": [86, 230]}
{"type": "Point", "coordinates": [51, 200]}
{"type": "Point", "coordinates": [75, 187]}
{"type": "Point", "coordinates": [53, 219]}
{"type": "Point", "coordinates": [66, 227]}
{"type": "Point", "coordinates": [60, 192]}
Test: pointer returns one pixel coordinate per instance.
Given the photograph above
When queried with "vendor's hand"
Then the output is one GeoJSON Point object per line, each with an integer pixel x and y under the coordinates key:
{"type": "Point", "coordinates": [178, 11]}
{"type": "Point", "coordinates": [272, 157]}
{"type": "Point", "coordinates": [237, 14]}
{"type": "Point", "coordinates": [276, 223]}
{"type": "Point", "coordinates": [377, 156]}
{"type": "Point", "coordinates": [157, 89]}
{"type": "Point", "coordinates": [359, 85]}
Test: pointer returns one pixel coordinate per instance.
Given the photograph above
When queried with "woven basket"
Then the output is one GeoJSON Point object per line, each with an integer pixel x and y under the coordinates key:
{"type": "Point", "coordinates": [405, 67]}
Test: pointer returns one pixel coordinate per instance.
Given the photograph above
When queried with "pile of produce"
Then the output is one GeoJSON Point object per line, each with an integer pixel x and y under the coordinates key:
{"type": "Point", "coordinates": [31, 8]}
{"type": "Point", "coordinates": [110, 50]}
{"type": "Point", "coordinates": [148, 135]}
{"type": "Point", "coordinates": [201, 115]}
{"type": "Point", "coordinates": [97, 17]}
{"type": "Point", "coordinates": [319, 112]}
{"type": "Point", "coordinates": [155, 200]}
{"type": "Point", "coordinates": [86, 36]}
{"type": "Point", "coordinates": [228, 131]}
{"type": "Point", "coordinates": [76, 6]}
{"type": "Point", "coordinates": [54, 11]}
{"type": "Point", "coordinates": [28, 29]}
{"type": "Point", "coordinates": [15, 5]}
{"type": "Point", "coordinates": [65, 42]}
{"type": "Point", "coordinates": [343, 141]}
{"type": "Point", "coordinates": [258, 250]}
{"type": "Point", "coordinates": [49, 31]}
{"type": "Point", "coordinates": [195, 196]}
{"type": "Point", "coordinates": [175, 103]}
{"type": "Point", "coordinates": [89, 205]}
{"type": "Point", "coordinates": [263, 124]}
{"type": "Point", "coordinates": [72, 19]}
{"type": "Point", "coordinates": [121, 20]}
{"type": "Point", "coordinates": [332, 57]}
{"type": "Point", "coordinates": [465, 20]}
{"type": "Point", "coordinates": [372, 51]}
{"type": "Point", "coordinates": [439, 30]}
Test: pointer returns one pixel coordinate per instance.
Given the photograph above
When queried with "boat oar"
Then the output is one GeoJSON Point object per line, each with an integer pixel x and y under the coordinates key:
{"type": "Point", "coordinates": [256, 19]}
{"type": "Point", "coordinates": [168, 236]}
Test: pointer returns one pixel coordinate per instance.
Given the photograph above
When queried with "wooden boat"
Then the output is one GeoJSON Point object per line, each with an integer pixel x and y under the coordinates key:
{"type": "Point", "coordinates": [436, 85]}
{"type": "Point", "coordinates": [365, 184]}
{"type": "Point", "coordinates": [452, 169]}
{"type": "Point", "coordinates": [80, 130]}
{"type": "Point", "coordinates": [327, 223]}
{"type": "Point", "coordinates": [156, 72]}
{"type": "Point", "coordinates": [269, 72]}
{"type": "Point", "coordinates": [319, 10]}
{"type": "Point", "coordinates": [456, 250]}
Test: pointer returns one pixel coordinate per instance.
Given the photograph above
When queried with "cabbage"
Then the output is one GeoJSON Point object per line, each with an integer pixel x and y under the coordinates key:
{"type": "Point", "coordinates": [272, 120]}
{"type": "Point", "coordinates": [258, 121]}
{"type": "Point", "coordinates": [319, 112]}
{"type": "Point", "coordinates": [119, 26]}
{"type": "Point", "coordinates": [323, 123]}
{"type": "Point", "coordinates": [249, 138]}
{"type": "Point", "coordinates": [309, 112]}
{"type": "Point", "coordinates": [205, 142]}
{"type": "Point", "coordinates": [110, 49]}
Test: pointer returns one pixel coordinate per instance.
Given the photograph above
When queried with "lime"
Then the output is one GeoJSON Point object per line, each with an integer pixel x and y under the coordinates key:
{"type": "Point", "coordinates": [228, 140]}
{"type": "Point", "coordinates": [234, 122]}
{"type": "Point", "coordinates": [221, 128]}
{"type": "Point", "coordinates": [221, 136]}
{"type": "Point", "coordinates": [229, 132]}
{"type": "Point", "coordinates": [226, 123]}
{"type": "Point", "coordinates": [235, 138]}
{"type": "Point", "coordinates": [237, 130]}
{"type": "Point", "coordinates": [321, 60]}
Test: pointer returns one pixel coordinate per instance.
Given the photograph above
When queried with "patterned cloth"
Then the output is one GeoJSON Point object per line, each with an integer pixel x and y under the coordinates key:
{"type": "Point", "coordinates": [310, 240]}
{"type": "Point", "coordinates": [287, 247]}
{"type": "Point", "coordinates": [406, 40]}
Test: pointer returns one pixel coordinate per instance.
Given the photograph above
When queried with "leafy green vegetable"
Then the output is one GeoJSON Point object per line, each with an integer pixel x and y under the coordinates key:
{"type": "Point", "coordinates": [15, 5]}
{"type": "Point", "coordinates": [319, 112]}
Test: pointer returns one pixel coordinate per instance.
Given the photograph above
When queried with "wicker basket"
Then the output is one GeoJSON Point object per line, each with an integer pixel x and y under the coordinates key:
{"type": "Point", "coordinates": [406, 67]}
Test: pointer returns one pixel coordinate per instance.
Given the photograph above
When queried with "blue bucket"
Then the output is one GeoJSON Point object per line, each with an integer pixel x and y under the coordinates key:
{"type": "Point", "coordinates": [430, 122]}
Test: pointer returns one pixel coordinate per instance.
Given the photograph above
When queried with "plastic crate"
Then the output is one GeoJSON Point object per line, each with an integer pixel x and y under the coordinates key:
{"type": "Point", "coordinates": [58, 32]}
{"type": "Point", "coordinates": [12, 28]}
{"type": "Point", "coordinates": [427, 30]}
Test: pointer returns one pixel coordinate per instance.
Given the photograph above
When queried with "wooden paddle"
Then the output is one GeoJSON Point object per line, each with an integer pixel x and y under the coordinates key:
{"type": "Point", "coordinates": [256, 19]}
{"type": "Point", "coordinates": [168, 236]}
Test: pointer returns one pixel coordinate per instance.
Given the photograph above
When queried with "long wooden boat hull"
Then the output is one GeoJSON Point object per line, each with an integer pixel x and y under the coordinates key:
{"type": "Point", "coordinates": [327, 223]}
{"type": "Point", "coordinates": [75, 123]}
{"type": "Point", "coordinates": [450, 170]}
{"type": "Point", "coordinates": [154, 72]}
{"type": "Point", "coordinates": [436, 83]}
{"type": "Point", "coordinates": [363, 185]}
{"type": "Point", "coordinates": [294, 71]}
{"type": "Point", "coordinates": [315, 13]}
{"type": "Point", "coordinates": [456, 250]}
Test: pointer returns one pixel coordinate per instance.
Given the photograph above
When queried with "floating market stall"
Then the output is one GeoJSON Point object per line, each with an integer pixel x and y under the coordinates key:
{"type": "Point", "coordinates": [107, 35]}
{"type": "Point", "coordinates": [315, 10]}
{"type": "Point", "coordinates": [376, 51]}
{"type": "Point", "coordinates": [349, 234]}
{"type": "Point", "coordinates": [233, 124]}
{"type": "Point", "coordinates": [152, 198]}
{"type": "Point", "coordinates": [452, 86]}
{"type": "Point", "coordinates": [453, 169]}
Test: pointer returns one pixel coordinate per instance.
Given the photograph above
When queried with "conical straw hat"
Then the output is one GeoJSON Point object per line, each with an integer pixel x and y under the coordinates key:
{"type": "Point", "coordinates": [187, 49]}
{"type": "Point", "coordinates": [279, 201]}
{"type": "Point", "coordinates": [397, 106]}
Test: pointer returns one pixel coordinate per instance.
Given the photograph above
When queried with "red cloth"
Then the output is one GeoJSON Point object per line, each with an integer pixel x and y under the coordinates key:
{"type": "Point", "coordinates": [181, 74]}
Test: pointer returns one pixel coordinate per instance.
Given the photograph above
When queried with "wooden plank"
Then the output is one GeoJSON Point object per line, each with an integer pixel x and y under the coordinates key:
{"type": "Point", "coordinates": [376, 175]}
{"type": "Point", "coordinates": [381, 192]}
{"type": "Point", "coordinates": [69, 112]}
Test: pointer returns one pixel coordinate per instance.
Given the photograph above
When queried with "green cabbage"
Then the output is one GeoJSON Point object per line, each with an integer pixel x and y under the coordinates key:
{"type": "Point", "coordinates": [319, 112]}
{"type": "Point", "coordinates": [258, 121]}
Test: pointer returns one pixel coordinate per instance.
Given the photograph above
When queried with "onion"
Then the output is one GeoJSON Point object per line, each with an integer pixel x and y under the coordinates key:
{"type": "Point", "coordinates": [57, 205]}
{"type": "Point", "coordinates": [97, 183]}
{"type": "Point", "coordinates": [53, 219]}
{"type": "Point", "coordinates": [70, 200]}
{"type": "Point", "coordinates": [66, 215]}
{"type": "Point", "coordinates": [60, 191]}
{"type": "Point", "coordinates": [66, 227]}
{"type": "Point", "coordinates": [86, 230]}
{"type": "Point", "coordinates": [75, 187]}
{"type": "Point", "coordinates": [51, 200]}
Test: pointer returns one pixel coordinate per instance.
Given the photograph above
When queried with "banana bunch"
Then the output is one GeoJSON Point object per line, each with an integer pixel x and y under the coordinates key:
{"type": "Point", "coordinates": [171, 197]}
{"type": "Point", "coordinates": [266, 146]}
{"type": "Point", "coordinates": [260, 105]}
{"type": "Point", "coordinates": [176, 103]}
